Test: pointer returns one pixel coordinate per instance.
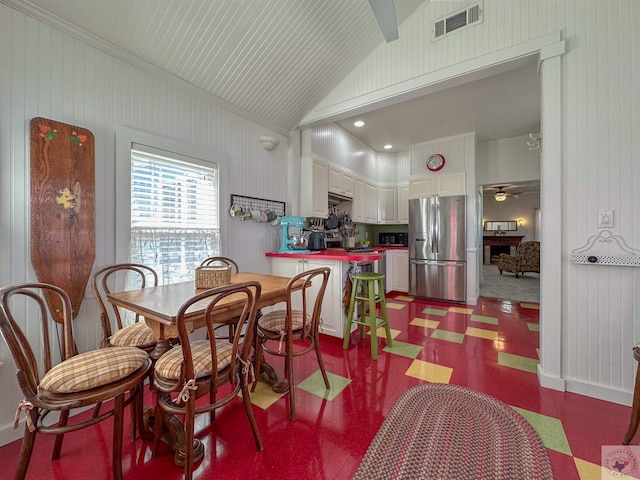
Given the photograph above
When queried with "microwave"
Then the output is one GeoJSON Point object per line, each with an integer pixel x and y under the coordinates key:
{"type": "Point", "coordinates": [397, 239]}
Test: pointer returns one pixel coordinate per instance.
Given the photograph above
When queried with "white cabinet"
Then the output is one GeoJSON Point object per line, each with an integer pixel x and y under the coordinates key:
{"type": "Point", "coordinates": [399, 270]}
{"type": "Point", "coordinates": [387, 205]}
{"type": "Point", "coordinates": [333, 318]}
{"type": "Point", "coordinates": [370, 203]}
{"type": "Point", "coordinates": [314, 187]}
{"type": "Point", "coordinates": [340, 182]}
{"type": "Point", "coordinates": [358, 200]}
{"type": "Point", "coordinates": [403, 203]}
{"type": "Point", "coordinates": [444, 184]}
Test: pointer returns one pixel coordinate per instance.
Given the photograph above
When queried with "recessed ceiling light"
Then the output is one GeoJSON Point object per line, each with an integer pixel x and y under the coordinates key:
{"type": "Point", "coordinates": [359, 123]}
{"type": "Point", "coordinates": [388, 146]}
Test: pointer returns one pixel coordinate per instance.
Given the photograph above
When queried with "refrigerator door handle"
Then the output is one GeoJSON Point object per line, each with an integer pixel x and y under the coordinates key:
{"type": "Point", "coordinates": [434, 228]}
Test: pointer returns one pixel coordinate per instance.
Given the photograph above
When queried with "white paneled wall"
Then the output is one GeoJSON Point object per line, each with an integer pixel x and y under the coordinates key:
{"type": "Point", "coordinates": [597, 162]}
{"type": "Point", "coordinates": [505, 24]}
{"type": "Point", "coordinates": [337, 146]}
{"type": "Point", "coordinates": [506, 160]}
{"type": "Point", "coordinates": [47, 73]}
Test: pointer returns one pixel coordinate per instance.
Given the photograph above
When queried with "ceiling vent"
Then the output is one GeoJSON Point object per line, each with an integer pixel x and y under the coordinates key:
{"type": "Point", "coordinates": [464, 18]}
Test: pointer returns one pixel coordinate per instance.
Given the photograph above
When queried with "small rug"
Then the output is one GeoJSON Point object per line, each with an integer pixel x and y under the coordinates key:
{"type": "Point", "coordinates": [507, 287]}
{"type": "Point", "coordinates": [440, 431]}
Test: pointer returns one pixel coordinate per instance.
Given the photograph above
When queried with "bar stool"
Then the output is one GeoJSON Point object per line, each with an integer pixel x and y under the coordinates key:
{"type": "Point", "coordinates": [364, 291]}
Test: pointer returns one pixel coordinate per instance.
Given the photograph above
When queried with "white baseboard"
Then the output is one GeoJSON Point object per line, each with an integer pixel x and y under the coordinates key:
{"type": "Point", "coordinates": [549, 381]}
{"type": "Point", "coordinates": [621, 397]}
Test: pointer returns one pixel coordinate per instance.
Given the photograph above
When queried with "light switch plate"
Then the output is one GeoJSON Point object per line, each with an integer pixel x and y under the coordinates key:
{"type": "Point", "coordinates": [605, 218]}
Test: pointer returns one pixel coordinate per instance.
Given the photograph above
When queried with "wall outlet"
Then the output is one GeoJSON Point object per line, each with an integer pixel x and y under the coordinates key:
{"type": "Point", "coordinates": [605, 218]}
{"type": "Point", "coordinates": [366, 234]}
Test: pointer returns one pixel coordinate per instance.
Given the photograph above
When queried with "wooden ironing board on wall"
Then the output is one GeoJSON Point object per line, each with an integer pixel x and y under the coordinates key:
{"type": "Point", "coordinates": [62, 207]}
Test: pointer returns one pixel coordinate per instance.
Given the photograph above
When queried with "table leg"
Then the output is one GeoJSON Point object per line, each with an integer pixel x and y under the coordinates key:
{"type": "Point", "coordinates": [173, 435]}
{"type": "Point", "coordinates": [267, 373]}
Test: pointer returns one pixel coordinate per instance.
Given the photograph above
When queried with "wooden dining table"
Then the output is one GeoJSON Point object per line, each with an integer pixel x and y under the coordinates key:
{"type": "Point", "coordinates": [159, 306]}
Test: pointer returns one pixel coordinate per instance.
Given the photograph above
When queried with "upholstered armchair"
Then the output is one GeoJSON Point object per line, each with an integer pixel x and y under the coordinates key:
{"type": "Point", "coordinates": [526, 259]}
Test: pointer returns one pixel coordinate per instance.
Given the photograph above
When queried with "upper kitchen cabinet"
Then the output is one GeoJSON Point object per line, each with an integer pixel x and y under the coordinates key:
{"type": "Point", "coordinates": [403, 203]}
{"type": "Point", "coordinates": [370, 203]}
{"type": "Point", "coordinates": [387, 205]}
{"type": "Point", "coordinates": [437, 184]}
{"type": "Point", "coordinates": [358, 200]}
{"type": "Point", "coordinates": [314, 187]}
{"type": "Point", "coordinates": [340, 182]}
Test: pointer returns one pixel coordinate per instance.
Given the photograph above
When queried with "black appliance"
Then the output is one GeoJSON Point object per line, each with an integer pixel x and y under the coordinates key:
{"type": "Point", "coordinates": [317, 241]}
{"type": "Point", "coordinates": [393, 239]}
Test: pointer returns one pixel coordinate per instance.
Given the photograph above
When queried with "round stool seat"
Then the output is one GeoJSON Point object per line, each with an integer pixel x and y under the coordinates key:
{"type": "Point", "coordinates": [364, 292]}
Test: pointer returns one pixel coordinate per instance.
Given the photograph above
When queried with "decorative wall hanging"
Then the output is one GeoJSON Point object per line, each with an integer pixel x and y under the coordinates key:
{"type": "Point", "coordinates": [62, 208]}
{"type": "Point", "coordinates": [630, 256]}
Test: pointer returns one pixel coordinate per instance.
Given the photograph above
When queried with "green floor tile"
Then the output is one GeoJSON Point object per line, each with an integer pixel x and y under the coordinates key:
{"type": "Point", "coordinates": [518, 362]}
{"type": "Point", "coordinates": [534, 327]}
{"type": "Point", "coordinates": [315, 385]}
{"type": "Point", "coordinates": [434, 311]}
{"type": "Point", "coordinates": [448, 336]}
{"type": "Point", "coordinates": [403, 349]}
{"type": "Point", "coordinates": [483, 319]}
{"type": "Point", "coordinates": [550, 430]}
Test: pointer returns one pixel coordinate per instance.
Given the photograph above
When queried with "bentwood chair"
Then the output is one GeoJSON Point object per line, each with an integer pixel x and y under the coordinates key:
{"type": "Point", "coordinates": [77, 381]}
{"type": "Point", "coordinates": [299, 321]}
{"type": "Point", "coordinates": [114, 331]}
{"type": "Point", "coordinates": [225, 261]}
{"type": "Point", "coordinates": [195, 368]}
{"type": "Point", "coordinates": [635, 408]}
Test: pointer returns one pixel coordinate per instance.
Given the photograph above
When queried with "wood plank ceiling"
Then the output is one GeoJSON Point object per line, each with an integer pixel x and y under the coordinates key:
{"type": "Point", "coordinates": [274, 59]}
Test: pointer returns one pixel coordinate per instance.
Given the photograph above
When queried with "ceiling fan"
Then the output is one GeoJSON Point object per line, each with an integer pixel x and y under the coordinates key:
{"type": "Point", "coordinates": [500, 195]}
{"type": "Point", "coordinates": [385, 13]}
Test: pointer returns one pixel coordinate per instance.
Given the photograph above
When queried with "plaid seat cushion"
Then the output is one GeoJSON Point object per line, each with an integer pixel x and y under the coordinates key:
{"type": "Point", "coordinates": [170, 363]}
{"type": "Point", "coordinates": [137, 334]}
{"type": "Point", "coordinates": [93, 369]}
{"type": "Point", "coordinates": [275, 321]}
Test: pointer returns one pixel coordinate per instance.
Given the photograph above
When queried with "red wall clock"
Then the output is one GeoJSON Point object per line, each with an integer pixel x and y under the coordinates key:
{"type": "Point", "coordinates": [435, 162]}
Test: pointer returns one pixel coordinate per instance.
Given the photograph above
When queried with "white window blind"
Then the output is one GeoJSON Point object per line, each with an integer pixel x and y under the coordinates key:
{"type": "Point", "coordinates": [174, 212]}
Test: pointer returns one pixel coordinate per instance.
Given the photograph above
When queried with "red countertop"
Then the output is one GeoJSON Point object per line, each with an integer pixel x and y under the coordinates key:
{"type": "Point", "coordinates": [339, 254]}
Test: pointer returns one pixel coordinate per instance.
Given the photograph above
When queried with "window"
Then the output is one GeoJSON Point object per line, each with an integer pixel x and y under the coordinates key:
{"type": "Point", "coordinates": [174, 212]}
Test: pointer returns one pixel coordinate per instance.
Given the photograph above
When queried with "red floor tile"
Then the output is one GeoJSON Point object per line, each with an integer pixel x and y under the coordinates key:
{"type": "Point", "coordinates": [329, 438]}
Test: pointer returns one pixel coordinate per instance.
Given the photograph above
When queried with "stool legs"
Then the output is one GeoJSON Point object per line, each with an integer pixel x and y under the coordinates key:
{"type": "Point", "coordinates": [364, 292]}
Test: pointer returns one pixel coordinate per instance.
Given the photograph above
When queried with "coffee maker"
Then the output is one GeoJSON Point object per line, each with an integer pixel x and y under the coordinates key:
{"type": "Point", "coordinates": [291, 238]}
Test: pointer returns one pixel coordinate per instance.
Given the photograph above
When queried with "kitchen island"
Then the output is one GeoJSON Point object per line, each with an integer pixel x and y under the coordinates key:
{"type": "Point", "coordinates": [339, 261]}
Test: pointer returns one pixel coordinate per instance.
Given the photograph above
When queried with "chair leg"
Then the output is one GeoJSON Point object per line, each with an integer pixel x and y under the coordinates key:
{"type": "Point", "coordinates": [320, 362]}
{"type": "Point", "coordinates": [289, 375]}
{"type": "Point", "coordinates": [252, 419]}
{"type": "Point", "coordinates": [635, 412]}
{"type": "Point", "coordinates": [158, 422]}
{"type": "Point", "coordinates": [26, 449]}
{"type": "Point", "coordinates": [57, 446]}
{"type": "Point", "coordinates": [189, 427]}
{"type": "Point", "coordinates": [258, 361]}
{"type": "Point", "coordinates": [118, 422]}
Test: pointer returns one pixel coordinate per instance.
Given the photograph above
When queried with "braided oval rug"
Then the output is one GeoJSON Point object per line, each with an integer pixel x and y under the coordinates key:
{"type": "Point", "coordinates": [440, 431]}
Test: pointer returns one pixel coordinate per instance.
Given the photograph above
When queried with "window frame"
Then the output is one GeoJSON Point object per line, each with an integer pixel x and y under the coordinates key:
{"type": "Point", "coordinates": [125, 139]}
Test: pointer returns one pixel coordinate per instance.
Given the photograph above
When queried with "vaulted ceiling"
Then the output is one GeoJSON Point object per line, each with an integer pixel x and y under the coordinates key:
{"type": "Point", "coordinates": [275, 60]}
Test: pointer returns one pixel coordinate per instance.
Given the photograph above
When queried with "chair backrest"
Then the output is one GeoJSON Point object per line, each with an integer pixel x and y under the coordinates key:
{"type": "Point", "coordinates": [248, 294]}
{"type": "Point", "coordinates": [529, 250]}
{"type": "Point", "coordinates": [27, 302]}
{"type": "Point", "coordinates": [220, 260]}
{"type": "Point", "coordinates": [305, 292]}
{"type": "Point", "coordinates": [116, 276]}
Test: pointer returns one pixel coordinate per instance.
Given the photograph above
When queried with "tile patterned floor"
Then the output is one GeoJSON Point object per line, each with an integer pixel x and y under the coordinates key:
{"type": "Point", "coordinates": [492, 347]}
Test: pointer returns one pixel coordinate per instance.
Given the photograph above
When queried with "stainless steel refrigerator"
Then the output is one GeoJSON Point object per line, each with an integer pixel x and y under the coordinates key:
{"type": "Point", "coordinates": [437, 248]}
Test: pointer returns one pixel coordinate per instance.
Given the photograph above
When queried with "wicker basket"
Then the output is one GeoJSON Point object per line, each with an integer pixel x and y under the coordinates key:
{"type": "Point", "coordinates": [212, 276]}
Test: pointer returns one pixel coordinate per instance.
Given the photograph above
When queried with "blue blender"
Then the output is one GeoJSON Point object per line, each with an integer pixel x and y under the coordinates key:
{"type": "Point", "coordinates": [292, 242]}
